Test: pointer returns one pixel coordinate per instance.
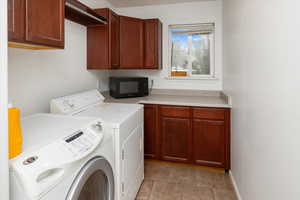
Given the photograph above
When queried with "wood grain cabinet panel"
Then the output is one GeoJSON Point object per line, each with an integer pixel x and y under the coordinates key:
{"type": "Point", "coordinates": [115, 40]}
{"type": "Point", "coordinates": [209, 143]}
{"type": "Point", "coordinates": [209, 113]}
{"type": "Point", "coordinates": [103, 42]}
{"type": "Point", "coordinates": [16, 20]}
{"type": "Point", "coordinates": [45, 22]}
{"type": "Point", "coordinates": [196, 135]}
{"type": "Point", "coordinates": [124, 43]}
{"type": "Point", "coordinates": [175, 111]}
{"type": "Point", "coordinates": [36, 23]}
{"type": "Point", "coordinates": [151, 134]}
{"type": "Point", "coordinates": [98, 47]}
{"type": "Point", "coordinates": [176, 139]}
{"type": "Point", "coordinates": [131, 43]}
{"type": "Point", "coordinates": [153, 44]}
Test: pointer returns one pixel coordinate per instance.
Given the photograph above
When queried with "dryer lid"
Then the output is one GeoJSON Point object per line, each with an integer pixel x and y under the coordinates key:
{"type": "Point", "coordinates": [76, 102]}
{"type": "Point", "coordinates": [113, 113]}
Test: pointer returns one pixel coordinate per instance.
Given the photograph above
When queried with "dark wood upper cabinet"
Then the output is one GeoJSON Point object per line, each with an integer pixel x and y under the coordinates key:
{"type": "Point", "coordinates": [151, 133]}
{"type": "Point", "coordinates": [45, 22]}
{"type": "Point", "coordinates": [124, 43]}
{"type": "Point", "coordinates": [131, 43]}
{"type": "Point", "coordinates": [209, 142]}
{"type": "Point", "coordinates": [16, 20]}
{"type": "Point", "coordinates": [35, 22]}
{"type": "Point", "coordinates": [153, 44]}
{"type": "Point", "coordinates": [103, 42]}
{"type": "Point", "coordinates": [115, 40]}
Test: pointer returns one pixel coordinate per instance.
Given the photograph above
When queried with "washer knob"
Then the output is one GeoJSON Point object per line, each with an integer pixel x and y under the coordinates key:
{"type": "Point", "coordinates": [97, 127]}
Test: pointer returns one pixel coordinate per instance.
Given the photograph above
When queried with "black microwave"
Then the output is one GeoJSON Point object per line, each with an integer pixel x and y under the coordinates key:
{"type": "Point", "coordinates": [125, 87]}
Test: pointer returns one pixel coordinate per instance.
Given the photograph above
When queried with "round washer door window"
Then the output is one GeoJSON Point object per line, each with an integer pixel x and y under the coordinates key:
{"type": "Point", "coordinates": [94, 182]}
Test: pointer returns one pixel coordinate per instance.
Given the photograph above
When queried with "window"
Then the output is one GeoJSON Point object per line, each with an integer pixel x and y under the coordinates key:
{"type": "Point", "coordinates": [192, 50]}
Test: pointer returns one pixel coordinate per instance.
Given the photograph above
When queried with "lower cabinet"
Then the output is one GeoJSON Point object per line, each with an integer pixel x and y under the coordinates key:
{"type": "Point", "coordinates": [151, 146]}
{"type": "Point", "coordinates": [175, 137]}
{"type": "Point", "coordinates": [209, 142]}
{"type": "Point", "coordinates": [188, 135]}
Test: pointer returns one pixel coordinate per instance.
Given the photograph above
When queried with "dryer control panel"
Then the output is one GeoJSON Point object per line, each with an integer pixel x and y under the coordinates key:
{"type": "Point", "coordinates": [77, 102]}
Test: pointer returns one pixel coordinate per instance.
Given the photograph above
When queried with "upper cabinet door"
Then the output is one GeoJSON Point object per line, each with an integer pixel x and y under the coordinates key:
{"type": "Point", "coordinates": [153, 44]}
{"type": "Point", "coordinates": [103, 42]}
{"type": "Point", "coordinates": [16, 20]}
{"type": "Point", "coordinates": [131, 43]}
{"type": "Point", "coordinates": [45, 22]}
{"type": "Point", "coordinates": [115, 40]}
{"type": "Point", "coordinates": [98, 43]}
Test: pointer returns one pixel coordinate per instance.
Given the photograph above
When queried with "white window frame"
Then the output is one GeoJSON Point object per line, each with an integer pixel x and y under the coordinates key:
{"type": "Point", "coordinates": [212, 75]}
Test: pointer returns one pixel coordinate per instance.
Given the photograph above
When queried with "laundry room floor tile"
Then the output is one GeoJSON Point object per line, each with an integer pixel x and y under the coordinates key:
{"type": "Point", "coordinates": [170, 181]}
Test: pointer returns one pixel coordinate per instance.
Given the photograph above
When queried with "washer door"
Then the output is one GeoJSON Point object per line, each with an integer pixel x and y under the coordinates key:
{"type": "Point", "coordinates": [95, 181]}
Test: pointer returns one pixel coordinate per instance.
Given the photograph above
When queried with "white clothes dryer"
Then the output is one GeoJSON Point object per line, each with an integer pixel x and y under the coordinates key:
{"type": "Point", "coordinates": [64, 158]}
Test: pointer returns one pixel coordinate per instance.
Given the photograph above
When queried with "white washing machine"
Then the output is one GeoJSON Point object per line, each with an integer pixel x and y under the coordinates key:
{"type": "Point", "coordinates": [128, 124]}
{"type": "Point", "coordinates": [64, 158]}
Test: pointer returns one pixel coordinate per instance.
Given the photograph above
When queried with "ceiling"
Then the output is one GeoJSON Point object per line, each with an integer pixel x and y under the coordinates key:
{"type": "Point", "coordinates": [131, 3]}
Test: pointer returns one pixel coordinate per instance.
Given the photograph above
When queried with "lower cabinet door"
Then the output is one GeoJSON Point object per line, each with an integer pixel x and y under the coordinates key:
{"type": "Point", "coordinates": [209, 143]}
{"type": "Point", "coordinates": [176, 139]}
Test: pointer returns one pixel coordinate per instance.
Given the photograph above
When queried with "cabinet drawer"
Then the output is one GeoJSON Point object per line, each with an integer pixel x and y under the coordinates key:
{"type": "Point", "coordinates": [209, 113]}
{"type": "Point", "coordinates": [175, 111]}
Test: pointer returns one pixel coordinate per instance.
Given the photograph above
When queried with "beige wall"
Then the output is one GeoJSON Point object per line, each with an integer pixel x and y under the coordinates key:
{"type": "Point", "coordinates": [261, 68]}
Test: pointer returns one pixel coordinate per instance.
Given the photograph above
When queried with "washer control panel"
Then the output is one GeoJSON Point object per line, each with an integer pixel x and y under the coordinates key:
{"type": "Point", "coordinates": [80, 142]}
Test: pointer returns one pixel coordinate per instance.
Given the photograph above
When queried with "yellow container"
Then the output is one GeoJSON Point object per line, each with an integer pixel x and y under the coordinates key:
{"type": "Point", "coordinates": [15, 132]}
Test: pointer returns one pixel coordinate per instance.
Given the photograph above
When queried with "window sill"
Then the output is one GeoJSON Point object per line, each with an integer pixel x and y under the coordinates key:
{"type": "Point", "coordinates": [190, 78]}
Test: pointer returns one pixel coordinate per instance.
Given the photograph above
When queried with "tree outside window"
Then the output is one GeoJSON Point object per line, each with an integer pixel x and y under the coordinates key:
{"type": "Point", "coordinates": [191, 50]}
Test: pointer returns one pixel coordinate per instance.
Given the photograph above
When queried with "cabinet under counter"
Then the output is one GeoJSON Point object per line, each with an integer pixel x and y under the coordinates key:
{"type": "Point", "coordinates": [193, 128]}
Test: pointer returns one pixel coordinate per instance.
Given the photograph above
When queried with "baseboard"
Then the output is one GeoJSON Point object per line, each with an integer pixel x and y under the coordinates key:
{"type": "Point", "coordinates": [236, 189]}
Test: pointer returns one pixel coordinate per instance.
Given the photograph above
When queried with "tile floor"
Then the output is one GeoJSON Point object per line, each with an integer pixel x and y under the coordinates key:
{"type": "Point", "coordinates": [169, 181]}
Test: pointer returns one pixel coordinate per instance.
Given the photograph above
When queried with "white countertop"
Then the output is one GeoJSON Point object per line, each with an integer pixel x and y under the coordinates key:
{"type": "Point", "coordinates": [179, 98]}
